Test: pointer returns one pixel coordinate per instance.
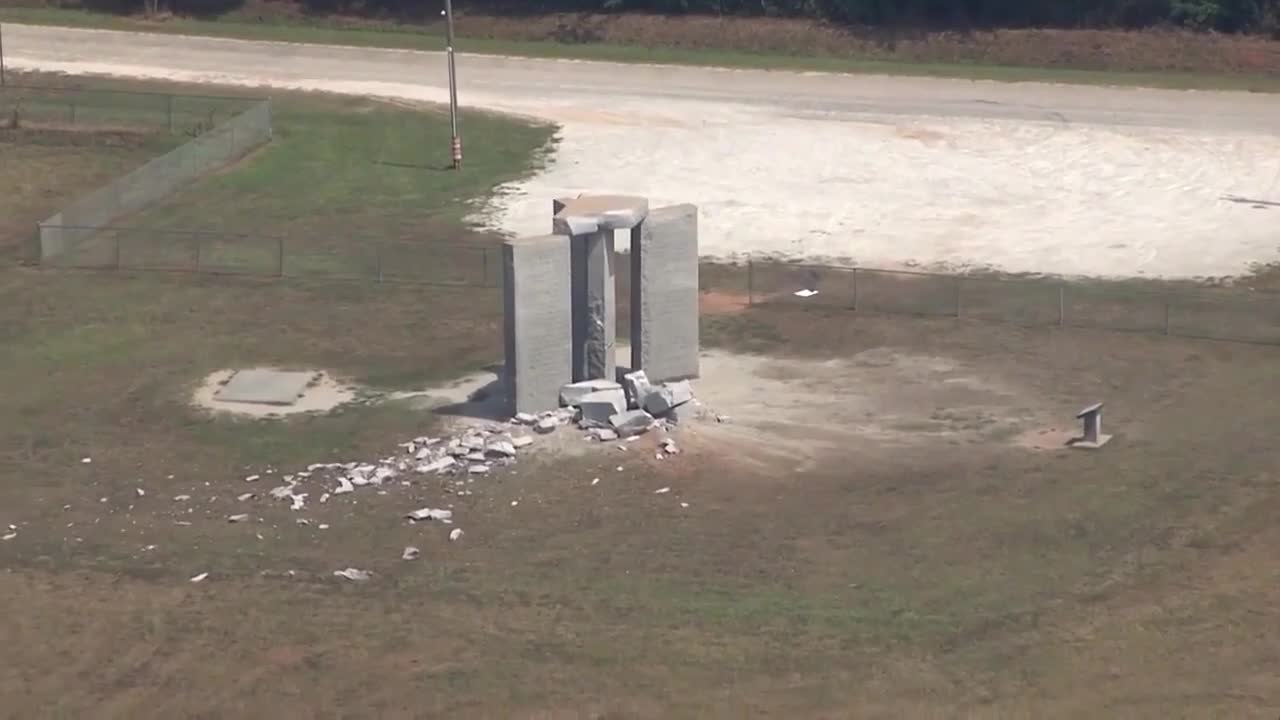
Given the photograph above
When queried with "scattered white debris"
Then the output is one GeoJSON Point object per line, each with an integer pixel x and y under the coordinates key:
{"type": "Point", "coordinates": [12, 526]}
{"type": "Point", "coordinates": [87, 460]}
{"type": "Point", "coordinates": [455, 534]}
{"type": "Point", "coordinates": [246, 496]}
{"type": "Point", "coordinates": [344, 487]}
{"type": "Point", "coordinates": [806, 293]}
{"type": "Point", "coordinates": [515, 503]}
{"type": "Point", "coordinates": [478, 469]}
{"type": "Point", "coordinates": [595, 481]}
{"type": "Point", "coordinates": [324, 498]}
{"type": "Point", "coordinates": [302, 521]}
{"type": "Point", "coordinates": [662, 491]}
{"type": "Point", "coordinates": [238, 518]}
{"type": "Point", "coordinates": [298, 501]}
{"type": "Point", "coordinates": [200, 577]}
{"type": "Point", "coordinates": [176, 498]}
{"type": "Point", "coordinates": [324, 526]}
{"type": "Point", "coordinates": [9, 536]}
{"type": "Point", "coordinates": [411, 552]}
{"type": "Point", "coordinates": [436, 466]}
{"type": "Point", "coordinates": [430, 514]}
{"type": "Point", "coordinates": [252, 478]}
{"type": "Point", "coordinates": [684, 504]}
{"type": "Point", "coordinates": [353, 574]}
{"type": "Point", "coordinates": [183, 523]}
{"type": "Point", "coordinates": [141, 492]}
{"type": "Point", "coordinates": [619, 468]}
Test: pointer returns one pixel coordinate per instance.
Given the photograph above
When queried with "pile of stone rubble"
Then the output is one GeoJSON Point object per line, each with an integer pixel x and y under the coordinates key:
{"type": "Point", "coordinates": [604, 410]}
{"type": "Point", "coordinates": [609, 410]}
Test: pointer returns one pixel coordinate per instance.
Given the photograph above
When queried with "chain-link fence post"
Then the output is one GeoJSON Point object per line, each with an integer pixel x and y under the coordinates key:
{"type": "Point", "coordinates": [854, 279]}
{"type": "Point", "coordinates": [1168, 301]}
{"type": "Point", "coordinates": [751, 282]}
{"type": "Point", "coordinates": [1062, 305]}
{"type": "Point", "coordinates": [484, 267]}
{"type": "Point", "coordinates": [959, 285]}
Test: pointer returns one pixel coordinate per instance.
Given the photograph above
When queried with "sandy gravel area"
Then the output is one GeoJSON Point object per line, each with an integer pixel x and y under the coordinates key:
{"type": "Point", "coordinates": [878, 171]}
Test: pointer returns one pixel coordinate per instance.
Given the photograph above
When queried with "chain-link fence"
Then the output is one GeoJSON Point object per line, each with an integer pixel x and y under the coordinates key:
{"type": "Point", "coordinates": [1211, 313]}
{"type": "Point", "coordinates": [222, 130]}
{"type": "Point", "coordinates": [64, 108]}
{"type": "Point", "coordinates": [417, 263]}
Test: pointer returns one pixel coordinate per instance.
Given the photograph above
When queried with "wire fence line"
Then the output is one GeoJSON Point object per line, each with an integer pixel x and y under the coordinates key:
{"type": "Point", "coordinates": [221, 131]}
{"type": "Point", "coordinates": [39, 107]}
{"type": "Point", "coordinates": [1232, 314]}
{"type": "Point", "coordinates": [217, 253]}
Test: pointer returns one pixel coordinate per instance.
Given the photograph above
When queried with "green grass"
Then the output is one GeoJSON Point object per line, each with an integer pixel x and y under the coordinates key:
{"type": "Point", "coordinates": [895, 581]}
{"type": "Point", "coordinates": [430, 38]}
{"type": "Point", "coordinates": [347, 187]}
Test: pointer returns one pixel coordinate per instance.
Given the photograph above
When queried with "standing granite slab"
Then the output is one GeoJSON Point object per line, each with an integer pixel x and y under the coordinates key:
{"type": "Point", "coordinates": [537, 322]}
{"type": "Point", "coordinates": [664, 294]}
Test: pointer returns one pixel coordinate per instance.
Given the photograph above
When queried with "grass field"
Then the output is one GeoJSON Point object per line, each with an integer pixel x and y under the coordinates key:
{"type": "Point", "coordinates": [873, 578]}
{"type": "Point", "coordinates": [1180, 61]}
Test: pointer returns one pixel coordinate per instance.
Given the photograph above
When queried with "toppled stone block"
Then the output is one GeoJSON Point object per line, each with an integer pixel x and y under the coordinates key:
{"type": "Point", "coordinates": [500, 447]}
{"type": "Point", "coordinates": [631, 422]}
{"type": "Point", "coordinates": [546, 425]}
{"type": "Point", "coordinates": [672, 395]}
{"type": "Point", "coordinates": [601, 405]}
{"type": "Point", "coordinates": [638, 388]}
{"type": "Point", "coordinates": [521, 442]}
{"type": "Point", "coordinates": [573, 393]}
{"type": "Point", "coordinates": [681, 414]}
{"type": "Point", "coordinates": [603, 434]}
{"type": "Point", "coordinates": [523, 418]}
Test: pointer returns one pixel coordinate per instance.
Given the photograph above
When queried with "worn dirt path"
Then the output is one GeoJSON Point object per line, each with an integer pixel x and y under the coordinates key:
{"type": "Point", "coordinates": [881, 171]}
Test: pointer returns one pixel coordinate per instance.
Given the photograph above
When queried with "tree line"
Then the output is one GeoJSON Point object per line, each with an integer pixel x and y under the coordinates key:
{"type": "Point", "coordinates": [1216, 15]}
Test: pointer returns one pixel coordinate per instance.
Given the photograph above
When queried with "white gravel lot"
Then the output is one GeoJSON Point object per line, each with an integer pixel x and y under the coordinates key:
{"type": "Point", "coordinates": [878, 171]}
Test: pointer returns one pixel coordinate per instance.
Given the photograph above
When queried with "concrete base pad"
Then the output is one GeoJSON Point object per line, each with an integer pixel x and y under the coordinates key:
{"type": "Point", "coordinates": [1081, 444]}
{"type": "Point", "coordinates": [266, 387]}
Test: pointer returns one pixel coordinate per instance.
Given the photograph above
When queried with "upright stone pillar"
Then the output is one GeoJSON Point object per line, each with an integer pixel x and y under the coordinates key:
{"type": "Point", "coordinates": [590, 221]}
{"type": "Point", "coordinates": [537, 322]}
{"type": "Point", "coordinates": [595, 303]}
{"type": "Point", "coordinates": [664, 294]}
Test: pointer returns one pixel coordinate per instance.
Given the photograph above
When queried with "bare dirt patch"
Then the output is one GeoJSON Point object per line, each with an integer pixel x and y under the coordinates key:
{"type": "Point", "coordinates": [321, 396]}
{"type": "Point", "coordinates": [877, 401]}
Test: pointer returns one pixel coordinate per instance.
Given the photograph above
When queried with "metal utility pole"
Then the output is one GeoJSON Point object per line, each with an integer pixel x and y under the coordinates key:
{"type": "Point", "coordinates": [456, 147]}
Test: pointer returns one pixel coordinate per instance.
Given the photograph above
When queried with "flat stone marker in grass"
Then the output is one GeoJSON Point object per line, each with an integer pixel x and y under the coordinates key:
{"type": "Point", "coordinates": [266, 387]}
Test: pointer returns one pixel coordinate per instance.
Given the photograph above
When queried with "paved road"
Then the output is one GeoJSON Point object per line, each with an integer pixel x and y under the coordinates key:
{"type": "Point", "coordinates": [524, 84]}
{"type": "Point", "coordinates": [877, 171]}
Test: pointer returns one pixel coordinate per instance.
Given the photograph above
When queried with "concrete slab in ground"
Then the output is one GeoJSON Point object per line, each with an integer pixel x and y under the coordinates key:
{"type": "Point", "coordinates": [266, 387]}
